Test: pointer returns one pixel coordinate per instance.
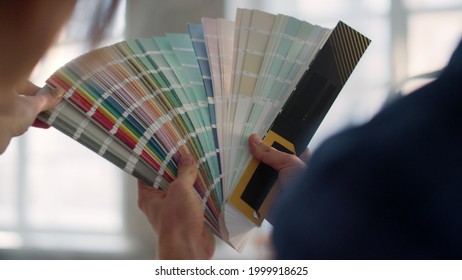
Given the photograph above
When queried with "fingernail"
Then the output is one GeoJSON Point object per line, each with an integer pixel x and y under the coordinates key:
{"type": "Point", "coordinates": [57, 93]}
{"type": "Point", "coordinates": [186, 160]}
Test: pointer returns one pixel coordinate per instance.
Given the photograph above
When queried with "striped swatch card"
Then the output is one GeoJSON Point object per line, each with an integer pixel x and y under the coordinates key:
{"type": "Point", "coordinates": [144, 103]}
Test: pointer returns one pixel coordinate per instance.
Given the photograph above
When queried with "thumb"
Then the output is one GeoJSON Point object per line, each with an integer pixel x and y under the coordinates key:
{"type": "Point", "coordinates": [276, 159]}
{"type": "Point", "coordinates": [46, 101]}
{"type": "Point", "coordinates": [187, 172]}
{"type": "Point", "coordinates": [183, 197]}
{"type": "Point", "coordinates": [40, 102]}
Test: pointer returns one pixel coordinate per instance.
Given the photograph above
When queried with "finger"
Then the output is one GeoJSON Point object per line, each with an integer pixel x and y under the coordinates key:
{"type": "Point", "coordinates": [42, 102]}
{"type": "Point", "coordinates": [47, 101]}
{"type": "Point", "coordinates": [149, 196]}
{"type": "Point", "coordinates": [29, 89]}
{"type": "Point", "coordinates": [145, 189]}
{"type": "Point", "coordinates": [270, 156]}
{"type": "Point", "coordinates": [148, 188]}
{"type": "Point", "coordinates": [187, 171]}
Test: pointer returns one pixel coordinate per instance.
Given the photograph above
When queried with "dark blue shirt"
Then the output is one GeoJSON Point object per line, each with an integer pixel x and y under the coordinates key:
{"type": "Point", "coordinates": [389, 189]}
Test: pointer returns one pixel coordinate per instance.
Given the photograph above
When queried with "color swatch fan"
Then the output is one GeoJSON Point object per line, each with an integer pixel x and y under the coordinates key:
{"type": "Point", "coordinates": [144, 103]}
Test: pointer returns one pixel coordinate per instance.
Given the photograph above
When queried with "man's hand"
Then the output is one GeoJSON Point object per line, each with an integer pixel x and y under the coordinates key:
{"type": "Point", "coordinates": [177, 216]}
{"type": "Point", "coordinates": [286, 165]}
{"type": "Point", "coordinates": [19, 109]}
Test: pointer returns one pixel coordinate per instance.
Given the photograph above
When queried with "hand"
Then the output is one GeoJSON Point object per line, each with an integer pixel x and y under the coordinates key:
{"type": "Point", "coordinates": [286, 165]}
{"type": "Point", "coordinates": [19, 109]}
{"type": "Point", "coordinates": [177, 216]}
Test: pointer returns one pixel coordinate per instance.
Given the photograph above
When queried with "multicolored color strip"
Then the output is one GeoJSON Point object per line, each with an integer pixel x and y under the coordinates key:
{"type": "Point", "coordinates": [144, 103]}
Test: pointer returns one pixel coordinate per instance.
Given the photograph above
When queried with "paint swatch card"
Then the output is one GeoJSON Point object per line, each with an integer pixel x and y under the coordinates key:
{"type": "Point", "coordinates": [144, 103]}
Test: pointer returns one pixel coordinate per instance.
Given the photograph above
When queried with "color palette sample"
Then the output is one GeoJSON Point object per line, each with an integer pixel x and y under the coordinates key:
{"type": "Point", "coordinates": [144, 103]}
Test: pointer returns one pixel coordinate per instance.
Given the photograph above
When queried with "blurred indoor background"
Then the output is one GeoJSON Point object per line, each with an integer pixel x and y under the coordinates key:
{"type": "Point", "coordinates": [59, 200]}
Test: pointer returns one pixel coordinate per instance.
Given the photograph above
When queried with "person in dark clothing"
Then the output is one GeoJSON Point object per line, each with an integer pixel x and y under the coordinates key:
{"type": "Point", "coordinates": [389, 189]}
